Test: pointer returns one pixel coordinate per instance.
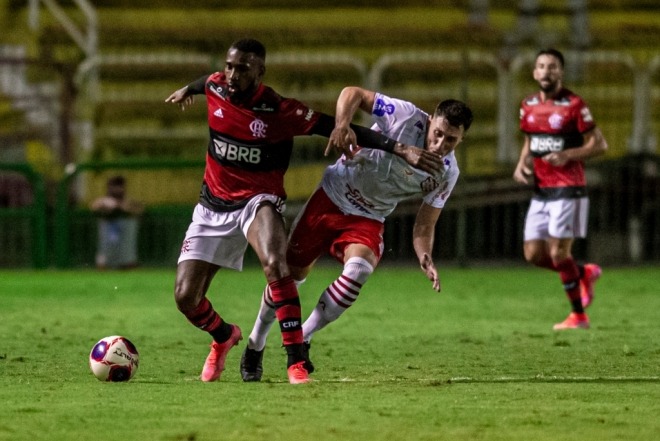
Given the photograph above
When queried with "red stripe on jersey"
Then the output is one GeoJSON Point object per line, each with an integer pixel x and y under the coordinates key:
{"type": "Point", "coordinates": [250, 144]}
{"type": "Point", "coordinates": [569, 175]}
{"type": "Point", "coordinates": [236, 184]}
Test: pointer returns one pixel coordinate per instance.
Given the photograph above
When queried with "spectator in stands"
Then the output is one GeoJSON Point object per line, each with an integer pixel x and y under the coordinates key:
{"type": "Point", "coordinates": [345, 216]}
{"type": "Point", "coordinates": [242, 196]}
{"type": "Point", "coordinates": [560, 134]}
{"type": "Point", "coordinates": [117, 226]}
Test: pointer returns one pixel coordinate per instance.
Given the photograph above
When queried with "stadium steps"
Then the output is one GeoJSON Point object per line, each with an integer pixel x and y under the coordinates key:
{"type": "Point", "coordinates": [132, 100]}
{"type": "Point", "coordinates": [357, 27]}
{"type": "Point", "coordinates": [132, 118]}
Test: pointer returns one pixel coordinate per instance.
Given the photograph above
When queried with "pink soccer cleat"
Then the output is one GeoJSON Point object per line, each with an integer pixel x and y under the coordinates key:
{"type": "Point", "coordinates": [573, 321]}
{"type": "Point", "coordinates": [298, 374]}
{"type": "Point", "coordinates": [215, 362]}
{"type": "Point", "coordinates": [592, 273]}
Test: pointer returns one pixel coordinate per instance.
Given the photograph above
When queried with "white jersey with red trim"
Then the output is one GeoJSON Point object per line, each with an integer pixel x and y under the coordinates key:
{"type": "Point", "coordinates": [555, 125]}
{"type": "Point", "coordinates": [250, 145]}
{"type": "Point", "coordinates": [374, 181]}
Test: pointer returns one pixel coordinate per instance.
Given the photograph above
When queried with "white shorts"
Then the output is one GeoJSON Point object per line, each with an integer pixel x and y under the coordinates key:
{"type": "Point", "coordinates": [561, 219]}
{"type": "Point", "coordinates": [221, 237]}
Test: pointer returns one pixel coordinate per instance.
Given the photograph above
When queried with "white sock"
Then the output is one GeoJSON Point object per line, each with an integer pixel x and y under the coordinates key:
{"type": "Point", "coordinates": [339, 296]}
{"type": "Point", "coordinates": [264, 321]}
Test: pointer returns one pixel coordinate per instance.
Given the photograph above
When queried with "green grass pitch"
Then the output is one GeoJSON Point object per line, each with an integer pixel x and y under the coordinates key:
{"type": "Point", "coordinates": [478, 361]}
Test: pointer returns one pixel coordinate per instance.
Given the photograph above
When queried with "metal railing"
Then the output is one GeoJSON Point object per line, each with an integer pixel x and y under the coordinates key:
{"type": "Point", "coordinates": [485, 230]}
{"type": "Point", "coordinates": [71, 218]}
{"type": "Point", "coordinates": [483, 220]}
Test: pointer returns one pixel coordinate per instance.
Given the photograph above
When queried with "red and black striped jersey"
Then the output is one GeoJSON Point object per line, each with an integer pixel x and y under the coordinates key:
{"type": "Point", "coordinates": [250, 145]}
{"type": "Point", "coordinates": [554, 125]}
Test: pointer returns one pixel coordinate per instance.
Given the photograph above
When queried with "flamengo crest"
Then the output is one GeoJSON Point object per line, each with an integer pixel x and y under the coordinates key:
{"type": "Point", "coordinates": [258, 128]}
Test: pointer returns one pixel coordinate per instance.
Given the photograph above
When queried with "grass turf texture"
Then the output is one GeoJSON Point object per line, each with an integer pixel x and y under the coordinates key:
{"type": "Point", "coordinates": [478, 361]}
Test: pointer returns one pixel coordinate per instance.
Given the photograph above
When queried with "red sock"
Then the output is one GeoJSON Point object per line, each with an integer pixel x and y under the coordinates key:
{"type": "Point", "coordinates": [570, 277]}
{"type": "Point", "coordinates": [287, 309]}
{"type": "Point", "coordinates": [204, 316]}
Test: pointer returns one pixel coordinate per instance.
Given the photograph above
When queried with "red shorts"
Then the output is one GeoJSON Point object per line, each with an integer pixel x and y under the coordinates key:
{"type": "Point", "coordinates": [321, 227]}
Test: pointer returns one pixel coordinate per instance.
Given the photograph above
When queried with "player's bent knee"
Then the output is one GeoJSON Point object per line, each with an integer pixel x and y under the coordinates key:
{"type": "Point", "coordinates": [185, 298]}
{"type": "Point", "coordinates": [275, 269]}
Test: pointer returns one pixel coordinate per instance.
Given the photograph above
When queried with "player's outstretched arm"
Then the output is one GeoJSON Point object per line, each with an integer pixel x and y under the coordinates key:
{"type": "Point", "coordinates": [346, 139]}
{"type": "Point", "coordinates": [345, 136]}
{"type": "Point", "coordinates": [181, 98]}
{"type": "Point", "coordinates": [184, 97]}
{"type": "Point", "coordinates": [353, 98]}
{"type": "Point", "coordinates": [342, 140]}
{"type": "Point", "coordinates": [423, 238]}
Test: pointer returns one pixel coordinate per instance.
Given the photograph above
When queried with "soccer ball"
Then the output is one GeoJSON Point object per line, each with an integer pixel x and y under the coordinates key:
{"type": "Point", "coordinates": [114, 358]}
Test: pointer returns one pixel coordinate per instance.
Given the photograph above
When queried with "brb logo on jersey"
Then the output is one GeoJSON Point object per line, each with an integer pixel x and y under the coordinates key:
{"type": "Point", "coordinates": [233, 152]}
{"type": "Point", "coordinates": [381, 108]}
{"type": "Point", "coordinates": [546, 144]}
{"type": "Point", "coordinates": [258, 128]}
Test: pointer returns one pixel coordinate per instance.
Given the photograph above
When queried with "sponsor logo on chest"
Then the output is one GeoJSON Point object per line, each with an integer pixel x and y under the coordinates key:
{"type": "Point", "coordinates": [546, 144]}
{"type": "Point", "coordinates": [354, 196]}
{"type": "Point", "coordinates": [250, 154]}
{"type": "Point", "coordinates": [233, 152]}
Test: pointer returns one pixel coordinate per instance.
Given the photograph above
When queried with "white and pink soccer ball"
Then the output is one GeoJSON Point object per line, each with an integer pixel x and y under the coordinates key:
{"type": "Point", "coordinates": [114, 358]}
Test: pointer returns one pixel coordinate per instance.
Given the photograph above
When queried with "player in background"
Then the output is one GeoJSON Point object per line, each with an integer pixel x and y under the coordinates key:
{"type": "Point", "coordinates": [345, 215]}
{"type": "Point", "coordinates": [242, 197]}
{"type": "Point", "coordinates": [559, 135]}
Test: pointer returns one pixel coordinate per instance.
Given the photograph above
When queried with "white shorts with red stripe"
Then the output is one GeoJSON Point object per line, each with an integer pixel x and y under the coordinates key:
{"type": "Point", "coordinates": [561, 219]}
{"type": "Point", "coordinates": [220, 237]}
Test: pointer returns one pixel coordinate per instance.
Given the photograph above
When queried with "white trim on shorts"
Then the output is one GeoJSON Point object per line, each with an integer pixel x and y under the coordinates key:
{"type": "Point", "coordinates": [221, 237]}
{"type": "Point", "coordinates": [561, 219]}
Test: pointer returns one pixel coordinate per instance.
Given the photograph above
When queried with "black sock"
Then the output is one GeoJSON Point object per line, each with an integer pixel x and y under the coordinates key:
{"type": "Point", "coordinates": [577, 306]}
{"type": "Point", "coordinates": [222, 333]}
{"type": "Point", "coordinates": [294, 354]}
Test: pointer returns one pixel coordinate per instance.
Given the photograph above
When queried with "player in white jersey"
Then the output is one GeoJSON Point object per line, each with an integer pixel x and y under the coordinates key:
{"type": "Point", "coordinates": [345, 215]}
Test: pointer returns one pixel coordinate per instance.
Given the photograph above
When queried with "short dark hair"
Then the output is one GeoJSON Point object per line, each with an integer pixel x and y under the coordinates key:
{"type": "Point", "coordinates": [250, 45]}
{"type": "Point", "coordinates": [552, 52]}
{"type": "Point", "coordinates": [457, 113]}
